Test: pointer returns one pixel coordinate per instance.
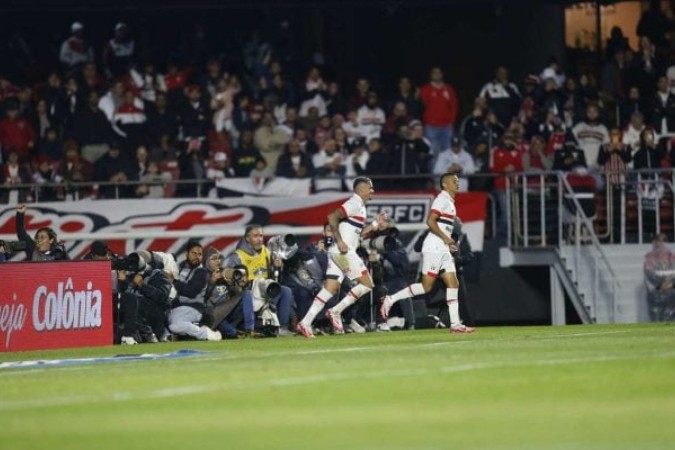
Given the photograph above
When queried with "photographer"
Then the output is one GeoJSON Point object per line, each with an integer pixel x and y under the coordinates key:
{"type": "Point", "coordinates": [3, 258]}
{"type": "Point", "coordinates": [190, 305]}
{"type": "Point", "coordinates": [390, 266]}
{"type": "Point", "coordinates": [144, 291]}
{"type": "Point", "coordinates": [304, 273]}
{"type": "Point", "coordinates": [268, 294]}
{"type": "Point", "coordinates": [228, 301]}
{"type": "Point", "coordinates": [45, 247]}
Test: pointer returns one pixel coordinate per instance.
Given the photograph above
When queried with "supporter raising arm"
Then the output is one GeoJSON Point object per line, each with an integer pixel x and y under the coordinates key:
{"type": "Point", "coordinates": [45, 247]}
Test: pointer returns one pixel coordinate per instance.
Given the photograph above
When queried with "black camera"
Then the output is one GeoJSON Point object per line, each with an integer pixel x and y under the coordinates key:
{"type": "Point", "coordinates": [382, 241]}
{"type": "Point", "coordinates": [132, 263]}
{"type": "Point", "coordinates": [328, 241]}
{"type": "Point", "coordinates": [13, 246]}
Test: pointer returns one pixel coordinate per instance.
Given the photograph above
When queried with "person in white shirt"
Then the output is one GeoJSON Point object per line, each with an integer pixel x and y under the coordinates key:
{"type": "Point", "coordinates": [631, 135]}
{"type": "Point", "coordinates": [329, 163]}
{"type": "Point", "coordinates": [590, 135]}
{"type": "Point", "coordinates": [437, 259]}
{"type": "Point", "coordinates": [371, 118]}
{"type": "Point", "coordinates": [456, 159]}
{"type": "Point", "coordinates": [75, 51]}
{"type": "Point", "coordinates": [355, 131]}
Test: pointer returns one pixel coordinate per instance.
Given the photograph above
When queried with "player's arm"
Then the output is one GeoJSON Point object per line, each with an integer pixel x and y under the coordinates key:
{"type": "Point", "coordinates": [432, 223]}
{"type": "Point", "coordinates": [380, 223]}
{"type": "Point", "coordinates": [334, 220]}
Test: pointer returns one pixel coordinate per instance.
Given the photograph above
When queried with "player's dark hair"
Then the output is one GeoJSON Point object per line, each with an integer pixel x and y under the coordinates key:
{"type": "Point", "coordinates": [360, 180]}
{"type": "Point", "coordinates": [450, 173]}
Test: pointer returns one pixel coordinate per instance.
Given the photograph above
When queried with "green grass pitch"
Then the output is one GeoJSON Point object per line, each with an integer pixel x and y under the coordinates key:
{"type": "Point", "coordinates": [575, 387]}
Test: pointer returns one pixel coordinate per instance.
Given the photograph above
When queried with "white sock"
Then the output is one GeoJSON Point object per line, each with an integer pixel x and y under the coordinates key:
{"type": "Point", "coordinates": [319, 302]}
{"type": "Point", "coordinates": [352, 296]}
{"type": "Point", "coordinates": [408, 292]}
{"type": "Point", "coordinates": [452, 296]}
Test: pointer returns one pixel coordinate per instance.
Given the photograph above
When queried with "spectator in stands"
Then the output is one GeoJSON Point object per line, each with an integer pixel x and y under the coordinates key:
{"type": "Point", "coordinates": [192, 168]}
{"type": "Point", "coordinates": [551, 97]}
{"type": "Point", "coordinates": [74, 102]}
{"type": "Point", "coordinates": [355, 131]}
{"type": "Point", "coordinates": [615, 77]}
{"type": "Point", "coordinates": [356, 163]}
{"type": "Point", "coordinates": [371, 117]}
{"type": "Point", "coordinates": [329, 166]}
{"type": "Point", "coordinates": [505, 159]}
{"type": "Point", "coordinates": [13, 173]}
{"type": "Point", "coordinates": [294, 163]}
{"type": "Point", "coordinates": [341, 143]}
{"type": "Point", "coordinates": [244, 157]}
{"type": "Point", "coordinates": [161, 121]}
{"type": "Point", "coordinates": [647, 67]}
{"type": "Point", "coordinates": [440, 111]}
{"type": "Point", "coordinates": [632, 104]}
{"type": "Point", "coordinates": [75, 170]}
{"type": "Point", "coordinates": [58, 108]}
{"type": "Point", "coordinates": [378, 162]}
{"type": "Point", "coordinates": [616, 42]}
{"type": "Point", "coordinates": [313, 94]}
{"type": "Point", "coordinates": [40, 120]}
{"type": "Point", "coordinates": [307, 145]}
{"type": "Point", "coordinates": [399, 117]}
{"type": "Point", "coordinates": [129, 119]}
{"type": "Point", "coordinates": [360, 97]}
{"type": "Point", "coordinates": [220, 167]}
{"type": "Point", "coordinates": [112, 100]}
{"type": "Point", "coordinates": [51, 146]}
{"type": "Point", "coordinates": [411, 155]}
{"type": "Point", "coordinates": [194, 115]}
{"type": "Point", "coordinates": [45, 247]}
{"type": "Point", "coordinates": [655, 25]}
{"type": "Point", "coordinates": [114, 170]}
{"type": "Point", "coordinates": [649, 155]}
{"type": "Point", "coordinates": [456, 160]}
{"type": "Point", "coordinates": [502, 96]}
{"type": "Point", "coordinates": [474, 125]}
{"type": "Point", "coordinates": [156, 182]}
{"type": "Point", "coordinates": [322, 131]}
{"type": "Point", "coordinates": [147, 81]}
{"type": "Point", "coordinates": [591, 134]}
{"type": "Point", "coordinates": [45, 174]}
{"type": "Point", "coordinates": [663, 109]}
{"type": "Point", "coordinates": [190, 305]}
{"type": "Point", "coordinates": [16, 133]}
{"type": "Point", "coordinates": [290, 122]}
{"type": "Point", "coordinates": [569, 157]}
{"type": "Point", "coordinates": [138, 166]}
{"type": "Point", "coordinates": [92, 129]}
{"type": "Point", "coordinates": [90, 80]}
{"type": "Point", "coordinates": [260, 175]}
{"type": "Point", "coordinates": [631, 135]}
{"type": "Point", "coordinates": [252, 253]}
{"type": "Point", "coordinates": [481, 157]}
{"type": "Point", "coordinates": [614, 157]}
{"type": "Point", "coordinates": [119, 51]}
{"type": "Point", "coordinates": [335, 101]}
{"type": "Point", "coordinates": [409, 96]}
{"type": "Point", "coordinates": [75, 51]}
{"type": "Point", "coordinates": [553, 70]}
{"type": "Point", "coordinates": [270, 140]}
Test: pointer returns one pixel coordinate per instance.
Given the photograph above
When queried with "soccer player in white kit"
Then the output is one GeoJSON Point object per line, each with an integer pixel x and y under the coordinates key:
{"type": "Point", "coordinates": [437, 255]}
{"type": "Point", "coordinates": [349, 225]}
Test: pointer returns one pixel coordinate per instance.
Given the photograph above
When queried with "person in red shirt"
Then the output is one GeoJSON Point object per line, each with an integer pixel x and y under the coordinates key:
{"type": "Point", "coordinates": [505, 159]}
{"type": "Point", "coordinates": [16, 133]}
{"type": "Point", "coordinates": [440, 111]}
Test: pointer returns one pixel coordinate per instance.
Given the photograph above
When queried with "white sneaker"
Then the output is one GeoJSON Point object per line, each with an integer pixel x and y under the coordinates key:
{"type": "Point", "coordinates": [128, 340]}
{"type": "Point", "coordinates": [355, 327]}
{"type": "Point", "coordinates": [396, 322]}
{"type": "Point", "coordinates": [383, 327]}
{"type": "Point", "coordinates": [285, 332]}
{"type": "Point", "coordinates": [212, 335]}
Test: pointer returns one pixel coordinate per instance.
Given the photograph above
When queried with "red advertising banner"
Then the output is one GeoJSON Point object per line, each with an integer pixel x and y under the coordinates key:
{"type": "Point", "coordinates": [55, 305]}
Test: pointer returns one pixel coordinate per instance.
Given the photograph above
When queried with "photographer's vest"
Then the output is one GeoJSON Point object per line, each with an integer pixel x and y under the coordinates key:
{"type": "Point", "coordinates": [258, 265]}
{"type": "Point", "coordinates": [197, 302]}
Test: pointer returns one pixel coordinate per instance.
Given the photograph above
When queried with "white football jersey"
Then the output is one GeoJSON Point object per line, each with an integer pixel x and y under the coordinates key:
{"type": "Point", "coordinates": [444, 207]}
{"type": "Point", "coordinates": [351, 226]}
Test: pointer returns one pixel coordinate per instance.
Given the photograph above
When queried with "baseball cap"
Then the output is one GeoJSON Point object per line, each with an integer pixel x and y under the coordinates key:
{"type": "Point", "coordinates": [456, 141]}
{"type": "Point", "coordinates": [120, 26]}
{"type": "Point", "coordinates": [76, 26]}
{"type": "Point", "coordinates": [220, 157]}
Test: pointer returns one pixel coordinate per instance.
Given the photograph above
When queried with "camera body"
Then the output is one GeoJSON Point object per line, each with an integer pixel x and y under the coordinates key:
{"type": "Point", "coordinates": [382, 241]}
{"type": "Point", "coordinates": [131, 264]}
{"type": "Point", "coordinates": [283, 246]}
{"type": "Point", "coordinates": [233, 276]}
{"type": "Point", "coordinates": [13, 246]}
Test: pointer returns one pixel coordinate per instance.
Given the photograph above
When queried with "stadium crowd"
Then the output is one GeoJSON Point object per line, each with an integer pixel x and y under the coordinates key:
{"type": "Point", "coordinates": [108, 116]}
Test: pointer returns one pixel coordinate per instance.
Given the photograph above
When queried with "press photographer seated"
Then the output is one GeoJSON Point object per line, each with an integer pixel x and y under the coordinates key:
{"type": "Point", "coordinates": [45, 247]}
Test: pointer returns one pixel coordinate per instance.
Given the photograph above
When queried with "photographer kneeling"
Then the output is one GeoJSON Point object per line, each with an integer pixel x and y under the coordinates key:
{"type": "Point", "coordinates": [144, 291]}
{"type": "Point", "coordinates": [268, 295]}
{"type": "Point", "coordinates": [228, 299]}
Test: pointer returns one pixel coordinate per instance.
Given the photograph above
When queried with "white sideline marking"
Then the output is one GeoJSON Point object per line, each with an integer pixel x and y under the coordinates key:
{"type": "Point", "coordinates": [180, 391]}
